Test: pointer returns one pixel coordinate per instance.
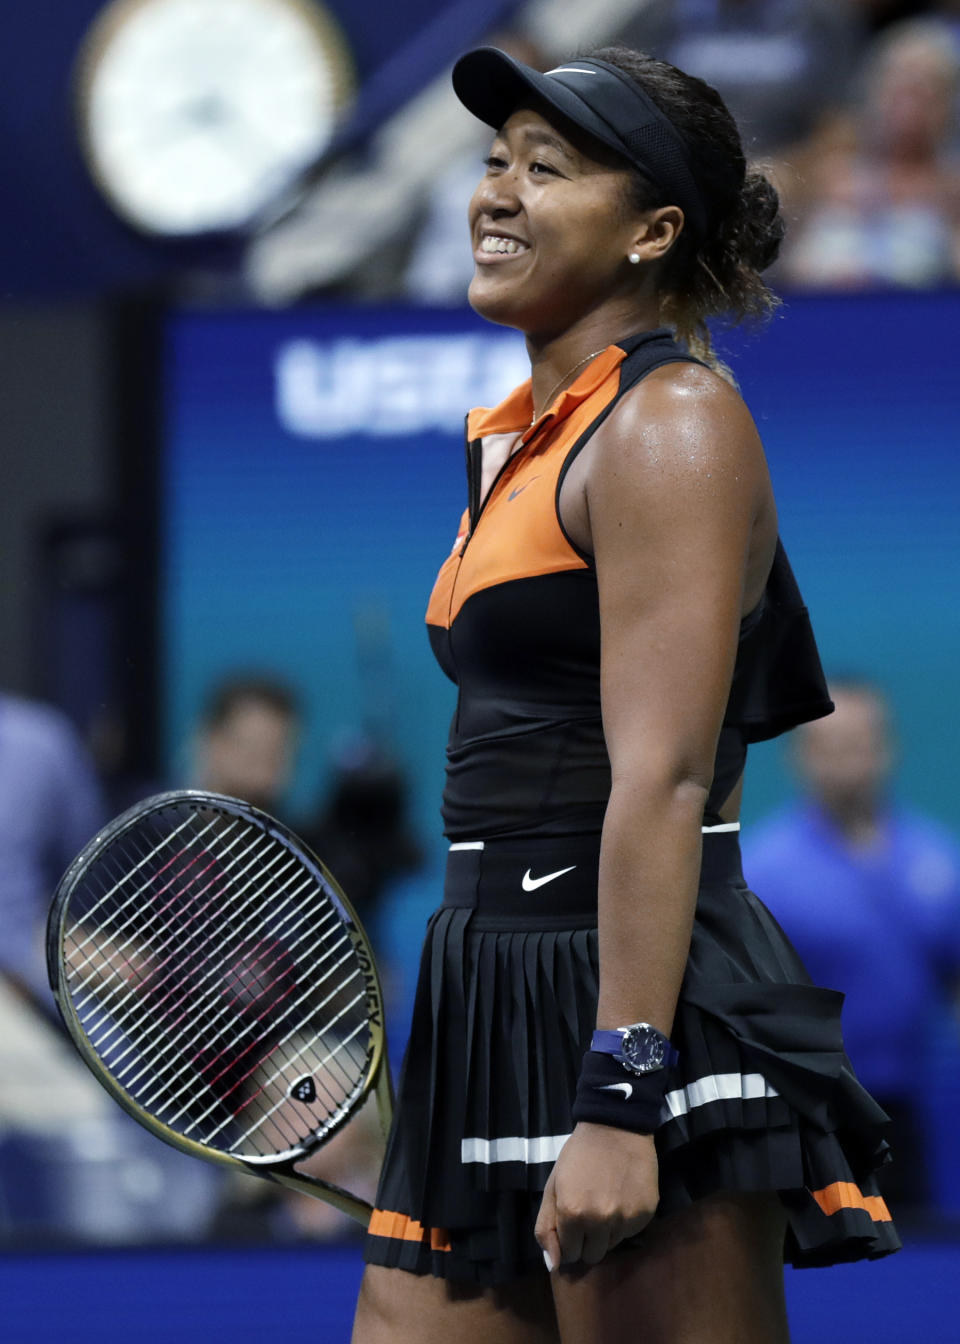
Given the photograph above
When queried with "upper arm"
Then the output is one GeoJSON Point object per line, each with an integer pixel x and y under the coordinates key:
{"type": "Point", "coordinates": [676, 484]}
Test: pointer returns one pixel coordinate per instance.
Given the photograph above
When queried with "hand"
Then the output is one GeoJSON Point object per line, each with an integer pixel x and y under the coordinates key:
{"type": "Point", "coordinates": [603, 1189]}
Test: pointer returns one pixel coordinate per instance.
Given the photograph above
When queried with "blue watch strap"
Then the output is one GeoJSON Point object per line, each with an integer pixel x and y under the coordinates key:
{"type": "Point", "coordinates": [611, 1042]}
{"type": "Point", "coordinates": [607, 1042]}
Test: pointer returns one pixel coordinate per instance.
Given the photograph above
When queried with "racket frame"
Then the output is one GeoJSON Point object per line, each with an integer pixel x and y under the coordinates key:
{"type": "Point", "coordinates": [279, 1169]}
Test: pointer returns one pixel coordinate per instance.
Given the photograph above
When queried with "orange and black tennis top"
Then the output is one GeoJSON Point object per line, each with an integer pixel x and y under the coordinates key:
{"type": "Point", "coordinates": [514, 622]}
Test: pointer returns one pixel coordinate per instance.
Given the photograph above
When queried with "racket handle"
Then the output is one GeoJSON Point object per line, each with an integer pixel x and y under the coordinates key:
{"type": "Point", "coordinates": [357, 1209]}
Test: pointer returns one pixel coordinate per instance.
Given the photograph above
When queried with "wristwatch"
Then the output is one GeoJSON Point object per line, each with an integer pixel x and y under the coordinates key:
{"type": "Point", "coordinates": [640, 1048]}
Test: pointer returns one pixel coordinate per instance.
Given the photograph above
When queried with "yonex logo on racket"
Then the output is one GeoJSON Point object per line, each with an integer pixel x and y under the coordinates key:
{"type": "Point", "coordinates": [369, 975]}
{"type": "Point", "coordinates": [304, 1089]}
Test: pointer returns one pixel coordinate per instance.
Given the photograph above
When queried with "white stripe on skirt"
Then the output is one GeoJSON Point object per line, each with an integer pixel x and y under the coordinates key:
{"type": "Point", "coordinates": [716, 1087]}
{"type": "Point", "coordinates": [543, 1148]}
{"type": "Point", "coordinates": [705, 830]}
{"type": "Point", "coordinates": [546, 1147]}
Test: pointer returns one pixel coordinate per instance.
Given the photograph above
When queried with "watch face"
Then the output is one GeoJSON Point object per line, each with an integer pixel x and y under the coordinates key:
{"type": "Point", "coordinates": [643, 1049]}
{"type": "Point", "coordinates": [196, 114]}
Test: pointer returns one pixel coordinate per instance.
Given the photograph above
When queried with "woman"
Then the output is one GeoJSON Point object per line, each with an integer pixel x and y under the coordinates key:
{"type": "Point", "coordinates": [664, 1163]}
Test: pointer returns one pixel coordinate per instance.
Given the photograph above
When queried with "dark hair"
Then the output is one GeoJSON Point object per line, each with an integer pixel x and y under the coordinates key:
{"type": "Point", "coordinates": [259, 689]}
{"type": "Point", "coordinates": [720, 274]}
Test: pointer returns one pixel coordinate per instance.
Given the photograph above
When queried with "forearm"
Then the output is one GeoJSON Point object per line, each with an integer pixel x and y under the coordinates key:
{"type": "Point", "coordinates": [649, 874]}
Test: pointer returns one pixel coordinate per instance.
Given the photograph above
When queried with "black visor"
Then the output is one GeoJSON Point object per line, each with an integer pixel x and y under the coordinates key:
{"type": "Point", "coordinates": [595, 96]}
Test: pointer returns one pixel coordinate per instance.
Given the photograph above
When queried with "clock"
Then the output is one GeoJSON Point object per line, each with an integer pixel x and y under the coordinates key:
{"type": "Point", "coordinates": [196, 115]}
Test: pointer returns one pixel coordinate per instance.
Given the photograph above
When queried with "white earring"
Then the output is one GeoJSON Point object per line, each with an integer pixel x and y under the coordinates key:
{"type": "Point", "coordinates": [634, 258]}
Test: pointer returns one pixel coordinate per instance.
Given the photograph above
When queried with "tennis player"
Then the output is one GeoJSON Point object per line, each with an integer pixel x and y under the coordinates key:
{"type": "Point", "coordinates": [618, 1065]}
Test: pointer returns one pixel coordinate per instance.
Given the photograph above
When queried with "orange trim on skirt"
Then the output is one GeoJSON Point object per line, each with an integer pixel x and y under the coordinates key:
{"type": "Point", "coordinates": [845, 1195]}
{"type": "Point", "coordinates": [384, 1223]}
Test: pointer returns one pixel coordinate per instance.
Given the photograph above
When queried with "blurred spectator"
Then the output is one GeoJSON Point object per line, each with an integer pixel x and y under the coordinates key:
{"type": "Point", "coordinates": [72, 1165]}
{"type": "Point", "coordinates": [50, 806]}
{"type": "Point", "coordinates": [869, 892]}
{"type": "Point", "coordinates": [880, 199]}
{"type": "Point", "coordinates": [778, 64]}
{"type": "Point", "coordinates": [122, 781]}
{"type": "Point", "coordinates": [948, 11]}
{"type": "Point", "coordinates": [881, 13]}
{"type": "Point", "coordinates": [363, 834]}
{"type": "Point", "coordinates": [248, 739]}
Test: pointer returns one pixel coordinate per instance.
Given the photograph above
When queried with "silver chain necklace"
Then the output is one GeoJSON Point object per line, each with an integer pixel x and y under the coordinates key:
{"type": "Point", "coordinates": [586, 360]}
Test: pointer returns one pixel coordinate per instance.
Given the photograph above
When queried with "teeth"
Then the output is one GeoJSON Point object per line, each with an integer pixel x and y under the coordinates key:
{"type": "Point", "coordinates": [493, 243]}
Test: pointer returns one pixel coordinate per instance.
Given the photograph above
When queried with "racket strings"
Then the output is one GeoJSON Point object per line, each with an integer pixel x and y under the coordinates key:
{"type": "Point", "coordinates": [181, 963]}
{"type": "Point", "coordinates": [200, 1005]}
{"type": "Point", "coordinates": [267, 1082]}
{"type": "Point", "coordinates": [197, 1040]}
{"type": "Point", "coordinates": [197, 914]}
{"type": "Point", "coordinates": [216, 992]}
{"type": "Point", "coordinates": [135, 953]}
{"type": "Point", "coordinates": [215, 977]}
{"type": "Point", "coordinates": [334, 1114]}
{"type": "Point", "coordinates": [108, 998]}
{"type": "Point", "coordinates": [129, 915]}
{"type": "Point", "coordinates": [347, 1081]}
{"type": "Point", "coordinates": [115, 858]}
{"type": "Point", "coordinates": [338, 1088]}
{"type": "Point", "coordinates": [173, 1045]}
{"type": "Point", "coordinates": [127, 874]}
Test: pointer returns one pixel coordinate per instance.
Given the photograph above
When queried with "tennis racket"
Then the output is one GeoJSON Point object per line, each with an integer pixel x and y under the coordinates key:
{"type": "Point", "coordinates": [218, 984]}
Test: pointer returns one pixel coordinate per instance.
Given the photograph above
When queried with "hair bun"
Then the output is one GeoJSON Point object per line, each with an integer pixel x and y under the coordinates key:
{"type": "Point", "coordinates": [758, 222]}
{"type": "Point", "coordinates": [718, 275]}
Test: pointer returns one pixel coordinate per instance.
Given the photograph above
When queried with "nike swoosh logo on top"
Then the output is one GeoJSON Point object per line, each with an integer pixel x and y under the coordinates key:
{"type": "Point", "coordinates": [531, 883]}
{"type": "Point", "coordinates": [520, 488]}
{"type": "Point", "coordinates": [571, 70]}
{"type": "Point", "coordinates": [625, 1088]}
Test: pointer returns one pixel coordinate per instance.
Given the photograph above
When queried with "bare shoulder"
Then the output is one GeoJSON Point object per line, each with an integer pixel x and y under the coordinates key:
{"type": "Point", "coordinates": [682, 421]}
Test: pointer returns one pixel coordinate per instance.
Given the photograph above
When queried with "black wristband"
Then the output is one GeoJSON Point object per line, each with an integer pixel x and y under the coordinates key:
{"type": "Point", "coordinates": [609, 1094]}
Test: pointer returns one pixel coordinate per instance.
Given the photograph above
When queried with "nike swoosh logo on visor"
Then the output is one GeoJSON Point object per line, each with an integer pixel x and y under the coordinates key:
{"type": "Point", "coordinates": [531, 883]}
{"type": "Point", "coordinates": [625, 1088]}
{"type": "Point", "coordinates": [571, 70]}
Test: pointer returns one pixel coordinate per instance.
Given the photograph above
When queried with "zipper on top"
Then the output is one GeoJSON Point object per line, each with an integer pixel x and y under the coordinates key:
{"type": "Point", "coordinates": [475, 507]}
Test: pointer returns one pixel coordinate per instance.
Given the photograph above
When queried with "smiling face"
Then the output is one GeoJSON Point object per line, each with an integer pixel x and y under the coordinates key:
{"type": "Point", "coordinates": [551, 229]}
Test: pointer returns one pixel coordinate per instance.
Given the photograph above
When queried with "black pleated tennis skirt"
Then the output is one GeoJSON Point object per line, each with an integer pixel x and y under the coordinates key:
{"type": "Point", "coordinates": [764, 1097]}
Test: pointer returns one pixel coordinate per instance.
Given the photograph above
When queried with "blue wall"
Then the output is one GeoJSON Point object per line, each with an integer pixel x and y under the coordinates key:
{"type": "Point", "coordinates": [314, 479]}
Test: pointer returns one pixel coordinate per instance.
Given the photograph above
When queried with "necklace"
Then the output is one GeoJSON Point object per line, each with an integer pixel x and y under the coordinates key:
{"type": "Point", "coordinates": [586, 360]}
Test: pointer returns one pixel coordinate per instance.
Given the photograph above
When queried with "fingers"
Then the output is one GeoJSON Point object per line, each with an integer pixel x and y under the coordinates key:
{"type": "Point", "coordinates": [552, 1254]}
{"type": "Point", "coordinates": [581, 1220]}
{"type": "Point", "coordinates": [599, 1238]}
{"type": "Point", "coordinates": [569, 1238]}
{"type": "Point", "coordinates": [546, 1226]}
